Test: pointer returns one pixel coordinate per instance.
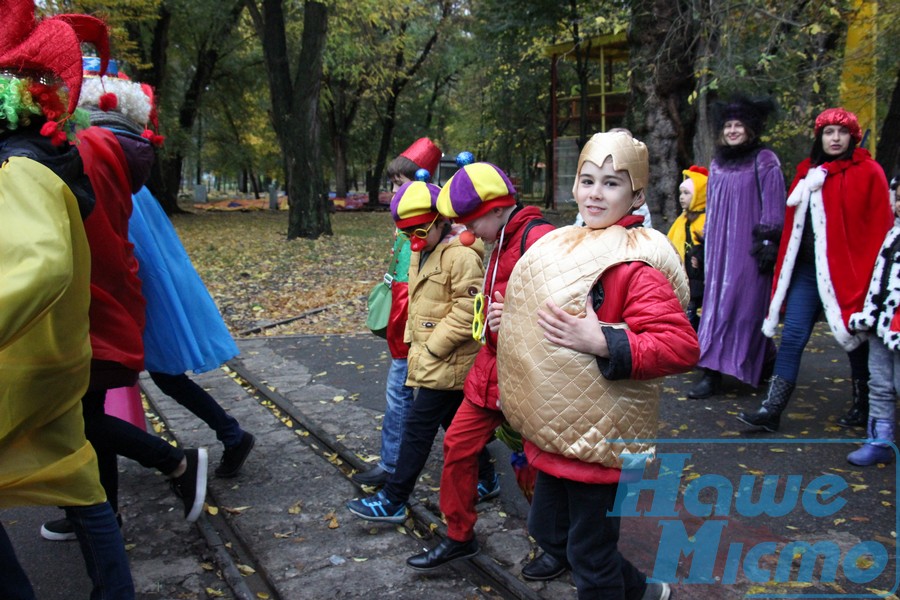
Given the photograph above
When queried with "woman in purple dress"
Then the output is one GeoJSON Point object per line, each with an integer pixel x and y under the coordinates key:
{"type": "Point", "coordinates": [744, 215]}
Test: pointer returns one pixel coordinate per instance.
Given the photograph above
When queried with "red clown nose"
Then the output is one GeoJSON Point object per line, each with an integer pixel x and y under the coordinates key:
{"type": "Point", "coordinates": [467, 238]}
{"type": "Point", "coordinates": [417, 244]}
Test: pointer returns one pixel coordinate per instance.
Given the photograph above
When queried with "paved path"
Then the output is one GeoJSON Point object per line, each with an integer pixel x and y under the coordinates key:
{"type": "Point", "coordinates": [281, 529]}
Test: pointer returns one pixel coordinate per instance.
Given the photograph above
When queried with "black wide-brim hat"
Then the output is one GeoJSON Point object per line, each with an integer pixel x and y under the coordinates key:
{"type": "Point", "coordinates": [752, 112]}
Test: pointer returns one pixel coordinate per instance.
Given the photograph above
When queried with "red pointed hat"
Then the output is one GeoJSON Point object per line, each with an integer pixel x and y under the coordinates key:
{"type": "Point", "coordinates": [52, 45]}
{"type": "Point", "coordinates": [425, 154]}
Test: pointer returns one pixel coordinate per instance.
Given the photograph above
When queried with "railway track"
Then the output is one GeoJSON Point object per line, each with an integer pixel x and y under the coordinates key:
{"type": "Point", "coordinates": [232, 551]}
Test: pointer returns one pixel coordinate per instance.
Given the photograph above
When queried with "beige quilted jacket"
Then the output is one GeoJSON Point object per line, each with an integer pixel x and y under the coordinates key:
{"type": "Point", "coordinates": [556, 397]}
{"type": "Point", "coordinates": [439, 327]}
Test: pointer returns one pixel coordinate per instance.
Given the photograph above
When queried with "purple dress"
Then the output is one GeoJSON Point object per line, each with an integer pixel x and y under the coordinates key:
{"type": "Point", "coordinates": [737, 296]}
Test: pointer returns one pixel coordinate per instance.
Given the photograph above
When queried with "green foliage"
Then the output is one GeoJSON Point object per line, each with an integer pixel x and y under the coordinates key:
{"type": "Point", "coordinates": [118, 14]}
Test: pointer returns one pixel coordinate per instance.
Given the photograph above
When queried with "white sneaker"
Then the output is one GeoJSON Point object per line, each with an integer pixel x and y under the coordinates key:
{"type": "Point", "coordinates": [657, 591]}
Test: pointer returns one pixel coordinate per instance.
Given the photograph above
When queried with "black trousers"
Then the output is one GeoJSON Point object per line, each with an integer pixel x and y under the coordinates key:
{"type": "Point", "coordinates": [569, 520]}
{"type": "Point", "coordinates": [430, 409]}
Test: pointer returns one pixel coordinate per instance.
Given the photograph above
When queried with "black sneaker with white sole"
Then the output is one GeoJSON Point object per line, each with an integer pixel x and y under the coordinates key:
{"type": "Point", "coordinates": [190, 486]}
{"type": "Point", "coordinates": [61, 530]}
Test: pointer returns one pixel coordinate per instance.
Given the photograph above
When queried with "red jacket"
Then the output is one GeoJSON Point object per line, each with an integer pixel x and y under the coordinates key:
{"type": "Point", "coordinates": [481, 384]}
{"type": "Point", "coordinates": [117, 306]}
{"type": "Point", "coordinates": [659, 341]}
{"type": "Point", "coordinates": [857, 217]}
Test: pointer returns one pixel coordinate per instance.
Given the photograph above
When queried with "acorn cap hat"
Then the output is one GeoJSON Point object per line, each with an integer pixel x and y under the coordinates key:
{"type": "Point", "coordinates": [627, 154]}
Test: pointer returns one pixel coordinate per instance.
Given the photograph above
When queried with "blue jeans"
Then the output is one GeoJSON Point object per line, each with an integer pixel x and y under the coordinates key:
{"type": "Point", "coordinates": [884, 380]}
{"type": "Point", "coordinates": [103, 550]}
{"type": "Point", "coordinates": [399, 397]}
{"type": "Point", "coordinates": [197, 400]}
{"type": "Point", "coordinates": [802, 308]}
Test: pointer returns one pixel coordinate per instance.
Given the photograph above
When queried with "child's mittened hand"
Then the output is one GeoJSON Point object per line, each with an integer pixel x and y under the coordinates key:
{"type": "Point", "coordinates": [581, 334]}
{"type": "Point", "coordinates": [495, 311]}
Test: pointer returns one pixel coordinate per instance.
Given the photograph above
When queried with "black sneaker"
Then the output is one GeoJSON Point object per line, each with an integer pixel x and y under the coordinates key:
{"type": "Point", "coordinates": [190, 486]}
{"type": "Point", "coordinates": [61, 530]}
{"type": "Point", "coordinates": [233, 458]}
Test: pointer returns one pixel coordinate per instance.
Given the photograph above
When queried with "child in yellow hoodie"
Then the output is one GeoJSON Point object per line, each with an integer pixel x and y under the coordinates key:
{"type": "Point", "coordinates": [686, 234]}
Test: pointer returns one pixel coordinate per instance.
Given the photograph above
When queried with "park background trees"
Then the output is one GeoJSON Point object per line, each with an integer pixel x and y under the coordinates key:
{"type": "Point", "coordinates": [319, 95]}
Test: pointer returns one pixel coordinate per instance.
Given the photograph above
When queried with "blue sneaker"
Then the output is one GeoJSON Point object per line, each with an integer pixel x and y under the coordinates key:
{"type": "Point", "coordinates": [489, 489]}
{"type": "Point", "coordinates": [378, 508]}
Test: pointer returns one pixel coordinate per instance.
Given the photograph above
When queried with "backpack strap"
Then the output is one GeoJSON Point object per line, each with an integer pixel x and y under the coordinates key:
{"type": "Point", "coordinates": [528, 227]}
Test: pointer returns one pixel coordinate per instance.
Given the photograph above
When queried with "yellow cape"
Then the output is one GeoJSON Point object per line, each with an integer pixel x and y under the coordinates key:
{"type": "Point", "coordinates": [44, 345]}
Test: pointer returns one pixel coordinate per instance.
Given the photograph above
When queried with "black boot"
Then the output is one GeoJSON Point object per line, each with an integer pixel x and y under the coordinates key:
{"type": "Point", "coordinates": [768, 416]}
{"type": "Point", "coordinates": [707, 386]}
{"type": "Point", "coordinates": [858, 415]}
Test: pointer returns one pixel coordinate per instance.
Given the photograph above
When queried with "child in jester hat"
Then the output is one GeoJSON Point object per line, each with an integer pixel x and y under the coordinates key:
{"type": "Point", "coordinates": [444, 278]}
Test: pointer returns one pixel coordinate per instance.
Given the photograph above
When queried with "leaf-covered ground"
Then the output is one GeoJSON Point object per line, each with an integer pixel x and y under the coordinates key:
{"type": "Point", "coordinates": [257, 277]}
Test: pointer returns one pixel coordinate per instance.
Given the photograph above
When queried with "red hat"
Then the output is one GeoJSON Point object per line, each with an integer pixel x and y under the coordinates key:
{"type": "Point", "coordinates": [839, 116]}
{"type": "Point", "coordinates": [425, 154]}
{"type": "Point", "coordinates": [52, 45]}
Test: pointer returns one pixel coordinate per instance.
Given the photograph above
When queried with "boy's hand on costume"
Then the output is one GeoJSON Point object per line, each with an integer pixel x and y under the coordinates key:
{"type": "Point", "coordinates": [695, 263]}
{"type": "Point", "coordinates": [581, 334]}
{"type": "Point", "coordinates": [495, 311]}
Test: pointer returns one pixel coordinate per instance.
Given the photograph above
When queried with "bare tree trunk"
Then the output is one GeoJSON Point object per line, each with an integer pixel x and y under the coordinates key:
{"type": "Point", "coordinates": [165, 178]}
{"type": "Point", "coordinates": [888, 151]}
{"type": "Point", "coordinates": [295, 118]}
{"type": "Point", "coordinates": [662, 64]}
{"type": "Point", "coordinates": [403, 75]}
{"type": "Point", "coordinates": [373, 177]}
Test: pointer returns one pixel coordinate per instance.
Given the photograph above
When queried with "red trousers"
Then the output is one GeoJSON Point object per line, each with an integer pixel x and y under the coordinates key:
{"type": "Point", "coordinates": [470, 430]}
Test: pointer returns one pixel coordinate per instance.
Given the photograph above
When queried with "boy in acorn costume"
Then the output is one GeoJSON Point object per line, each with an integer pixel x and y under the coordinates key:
{"type": "Point", "coordinates": [880, 317]}
{"type": "Point", "coordinates": [577, 380]}
{"type": "Point", "coordinates": [481, 197]}
{"type": "Point", "coordinates": [686, 234]}
{"type": "Point", "coordinates": [444, 278]}
{"type": "Point", "coordinates": [422, 158]}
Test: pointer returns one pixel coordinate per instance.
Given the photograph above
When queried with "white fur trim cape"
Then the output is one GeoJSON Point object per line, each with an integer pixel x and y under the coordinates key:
{"type": "Point", "coordinates": [808, 194]}
{"type": "Point", "coordinates": [883, 298]}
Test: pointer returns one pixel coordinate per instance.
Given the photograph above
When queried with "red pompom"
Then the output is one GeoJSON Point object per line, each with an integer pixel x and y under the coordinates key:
{"type": "Point", "coordinates": [156, 140]}
{"type": "Point", "coordinates": [58, 138]}
{"type": "Point", "coordinates": [701, 170]}
{"type": "Point", "coordinates": [467, 238]}
{"type": "Point", "coordinates": [108, 101]}
{"type": "Point", "coordinates": [49, 128]}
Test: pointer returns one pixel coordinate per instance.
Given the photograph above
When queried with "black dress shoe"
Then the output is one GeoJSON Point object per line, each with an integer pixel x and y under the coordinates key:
{"type": "Point", "coordinates": [543, 568]}
{"type": "Point", "coordinates": [375, 476]}
{"type": "Point", "coordinates": [448, 550]}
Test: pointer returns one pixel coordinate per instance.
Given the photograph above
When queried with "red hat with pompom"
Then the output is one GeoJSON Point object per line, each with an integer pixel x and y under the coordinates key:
{"type": "Point", "coordinates": [50, 46]}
